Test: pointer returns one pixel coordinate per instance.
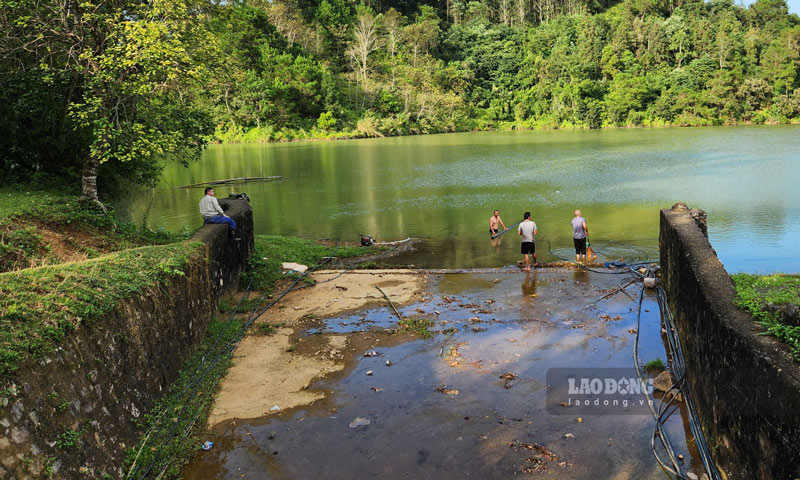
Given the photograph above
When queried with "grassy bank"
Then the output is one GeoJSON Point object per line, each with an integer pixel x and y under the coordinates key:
{"type": "Point", "coordinates": [52, 248]}
{"type": "Point", "coordinates": [40, 306]}
{"type": "Point", "coordinates": [46, 227]}
{"type": "Point", "coordinates": [766, 298]}
{"type": "Point", "coordinates": [264, 266]}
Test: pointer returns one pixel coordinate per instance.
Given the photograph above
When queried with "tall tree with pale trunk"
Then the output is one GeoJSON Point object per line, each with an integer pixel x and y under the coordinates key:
{"type": "Point", "coordinates": [365, 36]}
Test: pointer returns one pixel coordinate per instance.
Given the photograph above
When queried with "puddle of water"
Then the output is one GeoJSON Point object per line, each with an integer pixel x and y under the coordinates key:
{"type": "Point", "coordinates": [407, 420]}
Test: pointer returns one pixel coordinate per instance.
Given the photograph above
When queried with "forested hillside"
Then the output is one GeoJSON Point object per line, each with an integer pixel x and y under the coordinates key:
{"type": "Point", "coordinates": [116, 86]}
{"type": "Point", "coordinates": [393, 68]}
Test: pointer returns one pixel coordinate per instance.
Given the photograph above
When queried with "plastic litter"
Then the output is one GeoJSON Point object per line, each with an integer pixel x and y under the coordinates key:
{"type": "Point", "coordinates": [207, 445]}
{"type": "Point", "coordinates": [359, 422]}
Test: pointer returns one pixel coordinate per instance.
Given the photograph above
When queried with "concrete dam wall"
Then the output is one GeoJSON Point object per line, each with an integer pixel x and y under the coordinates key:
{"type": "Point", "coordinates": [746, 384]}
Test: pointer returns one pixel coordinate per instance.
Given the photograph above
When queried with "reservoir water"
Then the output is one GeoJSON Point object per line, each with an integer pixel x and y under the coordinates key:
{"type": "Point", "coordinates": [443, 188]}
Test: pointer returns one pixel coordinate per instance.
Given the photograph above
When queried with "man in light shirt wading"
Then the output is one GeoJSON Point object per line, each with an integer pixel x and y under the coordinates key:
{"type": "Point", "coordinates": [528, 229]}
{"type": "Point", "coordinates": [212, 212]}
{"type": "Point", "coordinates": [579, 233]}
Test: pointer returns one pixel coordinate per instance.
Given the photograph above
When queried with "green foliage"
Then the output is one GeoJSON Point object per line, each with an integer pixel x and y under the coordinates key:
{"type": "Point", "coordinates": [123, 88]}
{"type": "Point", "coordinates": [228, 305]}
{"type": "Point", "coordinates": [264, 265]}
{"type": "Point", "coordinates": [115, 85]}
{"type": "Point", "coordinates": [266, 329]}
{"type": "Point", "coordinates": [40, 306]}
{"type": "Point", "coordinates": [69, 439]}
{"type": "Point", "coordinates": [755, 292]}
{"type": "Point", "coordinates": [416, 325]}
{"type": "Point", "coordinates": [18, 246]}
{"type": "Point", "coordinates": [655, 364]}
{"type": "Point", "coordinates": [569, 66]}
{"type": "Point", "coordinates": [49, 462]}
{"type": "Point", "coordinates": [23, 210]}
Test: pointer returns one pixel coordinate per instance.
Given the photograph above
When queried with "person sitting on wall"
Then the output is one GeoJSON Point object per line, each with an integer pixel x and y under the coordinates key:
{"type": "Point", "coordinates": [212, 212]}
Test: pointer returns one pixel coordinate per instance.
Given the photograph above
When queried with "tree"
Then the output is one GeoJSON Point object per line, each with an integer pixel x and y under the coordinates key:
{"type": "Point", "coordinates": [134, 71]}
{"type": "Point", "coordinates": [678, 34]}
{"type": "Point", "coordinates": [504, 10]}
{"type": "Point", "coordinates": [392, 22]}
{"type": "Point", "coordinates": [423, 34]}
{"type": "Point", "coordinates": [522, 10]}
{"type": "Point", "coordinates": [364, 41]}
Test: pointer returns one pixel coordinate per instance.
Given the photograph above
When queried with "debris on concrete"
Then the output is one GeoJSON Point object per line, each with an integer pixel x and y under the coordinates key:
{"type": "Point", "coordinates": [663, 383]}
{"type": "Point", "coordinates": [359, 422]}
{"type": "Point", "coordinates": [293, 267]}
{"type": "Point", "coordinates": [447, 391]}
{"type": "Point", "coordinates": [541, 457]}
{"type": "Point", "coordinates": [508, 379]}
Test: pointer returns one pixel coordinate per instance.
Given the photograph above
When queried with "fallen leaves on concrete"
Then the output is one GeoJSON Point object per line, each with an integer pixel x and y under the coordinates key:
{"type": "Point", "coordinates": [542, 456]}
{"type": "Point", "coordinates": [447, 391]}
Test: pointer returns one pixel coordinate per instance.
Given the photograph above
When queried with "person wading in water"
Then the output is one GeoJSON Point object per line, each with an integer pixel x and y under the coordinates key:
{"type": "Point", "coordinates": [527, 229]}
{"type": "Point", "coordinates": [579, 233]}
{"type": "Point", "coordinates": [495, 222]}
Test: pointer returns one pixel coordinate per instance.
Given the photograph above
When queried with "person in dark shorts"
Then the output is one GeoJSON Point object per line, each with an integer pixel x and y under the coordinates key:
{"type": "Point", "coordinates": [579, 233]}
{"type": "Point", "coordinates": [495, 222]}
{"type": "Point", "coordinates": [527, 229]}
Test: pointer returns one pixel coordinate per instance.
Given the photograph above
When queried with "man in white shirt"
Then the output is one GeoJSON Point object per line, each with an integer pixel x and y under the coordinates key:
{"type": "Point", "coordinates": [528, 229]}
{"type": "Point", "coordinates": [212, 212]}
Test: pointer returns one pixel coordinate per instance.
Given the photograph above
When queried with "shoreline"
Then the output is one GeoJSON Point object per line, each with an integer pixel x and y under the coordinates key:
{"type": "Point", "coordinates": [339, 136]}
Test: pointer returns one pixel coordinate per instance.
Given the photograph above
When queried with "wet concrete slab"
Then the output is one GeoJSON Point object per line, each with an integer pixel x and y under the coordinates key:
{"type": "Point", "coordinates": [470, 400]}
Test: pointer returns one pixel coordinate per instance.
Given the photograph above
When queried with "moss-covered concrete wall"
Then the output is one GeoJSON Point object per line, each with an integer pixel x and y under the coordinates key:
{"type": "Point", "coordinates": [746, 385]}
{"type": "Point", "coordinates": [72, 413]}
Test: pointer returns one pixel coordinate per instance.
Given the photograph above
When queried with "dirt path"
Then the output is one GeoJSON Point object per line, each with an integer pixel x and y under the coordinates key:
{"type": "Point", "coordinates": [267, 371]}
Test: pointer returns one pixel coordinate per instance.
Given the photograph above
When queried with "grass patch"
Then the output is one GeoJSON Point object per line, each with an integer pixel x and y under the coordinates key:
{"type": "Point", "coordinates": [17, 200]}
{"type": "Point", "coordinates": [182, 411]}
{"type": "Point", "coordinates": [24, 211]}
{"type": "Point", "coordinates": [19, 246]}
{"type": "Point", "coordinates": [69, 439]}
{"type": "Point", "coordinates": [656, 364]}
{"type": "Point", "coordinates": [416, 325]}
{"type": "Point", "coordinates": [266, 329]}
{"type": "Point", "coordinates": [228, 305]}
{"type": "Point", "coordinates": [40, 306]}
{"type": "Point", "coordinates": [755, 292]}
{"type": "Point", "coordinates": [264, 266]}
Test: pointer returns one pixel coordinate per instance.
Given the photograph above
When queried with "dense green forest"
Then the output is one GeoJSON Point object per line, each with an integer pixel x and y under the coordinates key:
{"type": "Point", "coordinates": [111, 88]}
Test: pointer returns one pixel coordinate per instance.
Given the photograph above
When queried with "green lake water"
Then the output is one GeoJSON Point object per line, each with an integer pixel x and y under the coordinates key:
{"type": "Point", "coordinates": [443, 188]}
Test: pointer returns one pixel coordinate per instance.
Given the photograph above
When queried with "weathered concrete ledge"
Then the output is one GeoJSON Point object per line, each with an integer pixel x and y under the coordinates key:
{"type": "Point", "coordinates": [74, 413]}
{"type": "Point", "coordinates": [746, 385]}
{"type": "Point", "coordinates": [228, 257]}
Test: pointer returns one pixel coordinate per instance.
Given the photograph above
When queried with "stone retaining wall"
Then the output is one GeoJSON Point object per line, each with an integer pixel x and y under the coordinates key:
{"type": "Point", "coordinates": [74, 413]}
{"type": "Point", "coordinates": [746, 385]}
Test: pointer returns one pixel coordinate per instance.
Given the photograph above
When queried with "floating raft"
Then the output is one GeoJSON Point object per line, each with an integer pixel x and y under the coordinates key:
{"type": "Point", "coordinates": [233, 180]}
